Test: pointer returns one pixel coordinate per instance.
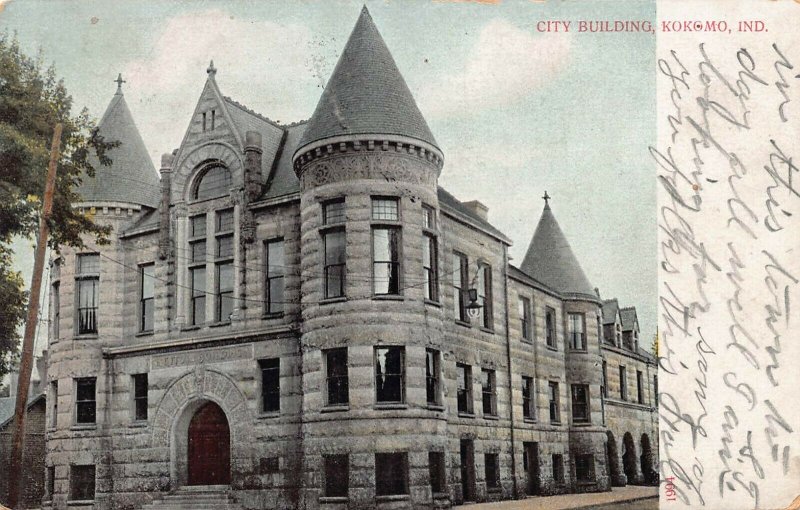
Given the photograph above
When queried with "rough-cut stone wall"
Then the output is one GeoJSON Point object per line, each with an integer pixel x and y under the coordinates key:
{"type": "Point", "coordinates": [33, 456]}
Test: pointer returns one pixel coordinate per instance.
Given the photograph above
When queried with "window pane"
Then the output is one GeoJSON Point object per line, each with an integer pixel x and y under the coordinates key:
{"type": "Point", "coordinates": [216, 182]}
{"type": "Point", "coordinates": [432, 376]}
{"type": "Point", "coordinates": [334, 263]}
{"type": "Point", "coordinates": [198, 227]}
{"type": "Point", "coordinates": [464, 388]}
{"type": "Point", "coordinates": [81, 483]}
{"type": "Point", "coordinates": [225, 277]}
{"type": "Point", "coordinates": [385, 209]}
{"type": "Point", "coordinates": [333, 212]}
{"type": "Point", "coordinates": [488, 391]}
{"type": "Point", "coordinates": [225, 220]}
{"type": "Point", "coordinates": [225, 246]}
{"type": "Point", "coordinates": [437, 472]}
{"type": "Point", "coordinates": [428, 217]}
{"type": "Point", "coordinates": [337, 476]}
{"type": "Point", "coordinates": [389, 366]}
{"type": "Point", "coordinates": [391, 474]}
{"type": "Point", "coordinates": [148, 281]}
{"type": "Point", "coordinates": [89, 263]}
{"type": "Point", "coordinates": [276, 265]}
{"type": "Point", "coordinates": [338, 390]}
{"type": "Point", "coordinates": [270, 384]}
{"type": "Point", "coordinates": [492, 471]}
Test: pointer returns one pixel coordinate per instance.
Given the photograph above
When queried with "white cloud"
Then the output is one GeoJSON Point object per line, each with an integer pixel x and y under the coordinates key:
{"type": "Point", "coordinates": [505, 65]}
{"type": "Point", "coordinates": [262, 64]}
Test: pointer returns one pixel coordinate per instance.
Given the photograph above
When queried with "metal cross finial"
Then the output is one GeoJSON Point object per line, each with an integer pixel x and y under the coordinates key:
{"type": "Point", "coordinates": [546, 197]}
{"type": "Point", "coordinates": [119, 81]}
{"type": "Point", "coordinates": [212, 71]}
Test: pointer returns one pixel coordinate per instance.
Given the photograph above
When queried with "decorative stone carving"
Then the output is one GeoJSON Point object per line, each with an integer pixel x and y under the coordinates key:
{"type": "Point", "coordinates": [394, 167]}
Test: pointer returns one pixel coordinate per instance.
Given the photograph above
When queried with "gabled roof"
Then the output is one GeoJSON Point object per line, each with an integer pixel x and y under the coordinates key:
{"type": "Point", "coordinates": [628, 317]}
{"type": "Point", "coordinates": [451, 204]}
{"type": "Point", "coordinates": [551, 261]}
{"type": "Point", "coordinates": [610, 311]}
{"type": "Point", "coordinates": [8, 405]}
{"type": "Point", "coordinates": [131, 178]}
{"type": "Point", "coordinates": [366, 93]}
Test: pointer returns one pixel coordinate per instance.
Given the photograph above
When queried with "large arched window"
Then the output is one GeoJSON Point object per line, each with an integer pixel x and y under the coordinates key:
{"type": "Point", "coordinates": [215, 181]}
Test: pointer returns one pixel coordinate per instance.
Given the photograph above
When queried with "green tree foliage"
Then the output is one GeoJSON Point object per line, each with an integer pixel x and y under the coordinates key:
{"type": "Point", "coordinates": [32, 101]}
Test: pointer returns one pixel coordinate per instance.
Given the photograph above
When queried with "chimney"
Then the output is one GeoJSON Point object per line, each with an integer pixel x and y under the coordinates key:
{"type": "Point", "coordinates": [479, 209]}
{"type": "Point", "coordinates": [163, 212]}
{"type": "Point", "coordinates": [253, 178]}
{"type": "Point", "coordinates": [41, 368]}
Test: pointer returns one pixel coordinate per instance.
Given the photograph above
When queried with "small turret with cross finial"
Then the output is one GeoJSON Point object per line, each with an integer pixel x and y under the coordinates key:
{"type": "Point", "coordinates": [119, 82]}
{"type": "Point", "coordinates": [546, 199]}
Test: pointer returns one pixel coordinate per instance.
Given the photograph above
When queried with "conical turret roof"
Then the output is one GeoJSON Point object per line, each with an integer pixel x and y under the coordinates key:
{"type": "Point", "coordinates": [550, 260]}
{"type": "Point", "coordinates": [131, 178]}
{"type": "Point", "coordinates": [366, 93]}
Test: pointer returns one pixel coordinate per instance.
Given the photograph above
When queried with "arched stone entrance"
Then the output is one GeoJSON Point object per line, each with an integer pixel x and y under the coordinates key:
{"type": "Point", "coordinates": [618, 479]}
{"type": "Point", "coordinates": [209, 447]}
{"type": "Point", "coordinates": [629, 459]}
{"type": "Point", "coordinates": [646, 460]}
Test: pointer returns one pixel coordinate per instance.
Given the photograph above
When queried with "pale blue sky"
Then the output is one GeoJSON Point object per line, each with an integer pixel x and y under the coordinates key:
{"type": "Point", "coordinates": [516, 112]}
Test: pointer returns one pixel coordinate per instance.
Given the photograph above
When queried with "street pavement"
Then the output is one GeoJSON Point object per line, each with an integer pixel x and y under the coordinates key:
{"type": "Point", "coordinates": [620, 498]}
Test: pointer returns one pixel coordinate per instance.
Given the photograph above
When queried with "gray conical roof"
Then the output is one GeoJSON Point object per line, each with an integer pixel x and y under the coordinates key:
{"type": "Point", "coordinates": [131, 178]}
{"type": "Point", "coordinates": [550, 260]}
{"type": "Point", "coordinates": [366, 93]}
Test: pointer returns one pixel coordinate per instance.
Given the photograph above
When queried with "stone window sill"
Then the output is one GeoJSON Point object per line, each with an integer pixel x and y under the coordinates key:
{"type": "Point", "coordinates": [388, 297]}
{"type": "Point", "coordinates": [80, 502]}
{"type": "Point", "coordinates": [435, 407]}
{"type": "Point", "coordinates": [394, 497]}
{"type": "Point", "coordinates": [219, 324]}
{"type": "Point", "coordinates": [138, 424]}
{"type": "Point", "coordinates": [335, 409]}
{"type": "Point", "coordinates": [84, 426]}
{"type": "Point", "coordinates": [462, 414]}
{"type": "Point", "coordinates": [389, 405]}
{"type": "Point", "coordinates": [462, 323]}
{"type": "Point", "coordinates": [491, 417]}
{"type": "Point", "coordinates": [494, 490]}
{"type": "Point", "coordinates": [487, 330]}
{"type": "Point", "coordinates": [332, 500]}
{"type": "Point", "coordinates": [552, 348]}
{"type": "Point", "coordinates": [433, 303]}
{"type": "Point", "coordinates": [581, 424]}
{"type": "Point", "coordinates": [328, 301]}
{"type": "Point", "coordinates": [441, 495]}
{"type": "Point", "coordinates": [144, 333]}
{"type": "Point", "coordinates": [529, 420]}
{"type": "Point", "coordinates": [269, 414]}
{"type": "Point", "coordinates": [194, 327]}
{"type": "Point", "coordinates": [272, 315]}
{"type": "Point", "coordinates": [86, 336]}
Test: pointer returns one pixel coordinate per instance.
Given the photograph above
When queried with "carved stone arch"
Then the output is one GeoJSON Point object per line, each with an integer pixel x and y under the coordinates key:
{"type": "Point", "coordinates": [181, 399]}
{"type": "Point", "coordinates": [196, 161]}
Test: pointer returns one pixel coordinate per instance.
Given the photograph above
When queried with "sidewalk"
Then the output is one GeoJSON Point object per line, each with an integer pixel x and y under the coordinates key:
{"type": "Point", "coordinates": [571, 501]}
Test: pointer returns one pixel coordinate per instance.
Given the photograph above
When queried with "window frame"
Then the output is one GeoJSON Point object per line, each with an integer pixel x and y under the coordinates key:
{"type": "Point", "coordinates": [327, 276]}
{"type": "Point", "coordinates": [491, 471]}
{"type": "Point", "coordinates": [394, 236]}
{"type": "Point", "coordinates": [266, 392]}
{"type": "Point", "coordinates": [400, 458]}
{"type": "Point", "coordinates": [206, 169]}
{"type": "Point", "coordinates": [574, 335]}
{"type": "Point", "coordinates": [81, 278]}
{"type": "Point", "coordinates": [379, 215]}
{"type": "Point", "coordinates": [433, 377]}
{"type": "Point", "coordinates": [55, 300]}
{"type": "Point", "coordinates": [623, 383]}
{"type": "Point", "coordinates": [469, 407]}
{"type": "Point", "coordinates": [554, 402]}
{"type": "Point", "coordinates": [586, 418]}
{"type": "Point", "coordinates": [639, 387]}
{"type": "Point", "coordinates": [437, 472]}
{"type": "Point", "coordinates": [401, 375]}
{"type": "Point", "coordinates": [489, 392]}
{"type": "Point", "coordinates": [221, 261]}
{"type": "Point", "coordinates": [86, 402]}
{"type": "Point", "coordinates": [558, 469]}
{"type": "Point", "coordinates": [524, 312]}
{"type": "Point", "coordinates": [53, 421]}
{"type": "Point", "coordinates": [337, 486]}
{"type": "Point", "coordinates": [590, 471]}
{"type": "Point", "coordinates": [529, 401]}
{"type": "Point", "coordinates": [430, 266]}
{"type": "Point", "coordinates": [460, 292]}
{"type": "Point", "coordinates": [137, 398]}
{"type": "Point", "coordinates": [327, 354]}
{"type": "Point", "coordinates": [143, 301]}
{"type": "Point", "coordinates": [551, 327]}
{"type": "Point", "coordinates": [271, 307]}
{"type": "Point", "coordinates": [76, 489]}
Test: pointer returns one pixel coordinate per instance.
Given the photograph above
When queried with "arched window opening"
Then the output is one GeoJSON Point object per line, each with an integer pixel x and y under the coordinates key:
{"type": "Point", "coordinates": [214, 182]}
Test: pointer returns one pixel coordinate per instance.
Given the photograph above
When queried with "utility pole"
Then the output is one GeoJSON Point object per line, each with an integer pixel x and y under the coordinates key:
{"type": "Point", "coordinates": [26, 361]}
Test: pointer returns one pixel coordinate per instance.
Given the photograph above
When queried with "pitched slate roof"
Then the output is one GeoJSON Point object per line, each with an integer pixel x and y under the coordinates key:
{"type": "Point", "coordinates": [282, 180]}
{"type": "Point", "coordinates": [366, 93]}
{"type": "Point", "coordinates": [610, 309]}
{"type": "Point", "coordinates": [450, 203]}
{"type": "Point", "coordinates": [550, 260]}
{"type": "Point", "coordinates": [8, 405]}
{"type": "Point", "coordinates": [131, 178]}
{"type": "Point", "coordinates": [628, 317]}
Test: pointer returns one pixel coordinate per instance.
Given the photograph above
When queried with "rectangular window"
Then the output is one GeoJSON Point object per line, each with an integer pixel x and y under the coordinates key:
{"type": "Point", "coordinates": [464, 393]}
{"type": "Point", "coordinates": [460, 266]}
{"type": "Point", "coordinates": [550, 326]}
{"type": "Point", "coordinates": [146, 294]}
{"type": "Point", "coordinates": [639, 387]}
{"type": "Point", "coordinates": [225, 246]}
{"type": "Point", "coordinates": [336, 374]}
{"type": "Point", "coordinates": [391, 473]}
{"type": "Point", "coordinates": [198, 277]}
{"type": "Point", "coordinates": [224, 294]}
{"type": "Point", "coordinates": [577, 334]}
{"type": "Point", "coordinates": [213, 118]}
{"type": "Point", "coordinates": [85, 400]}
{"type": "Point", "coordinates": [385, 209]}
{"type": "Point", "coordinates": [204, 121]}
{"type": "Point", "coordinates": [528, 403]}
{"type": "Point", "coordinates": [492, 470]}
{"type": "Point", "coordinates": [430, 267]}
{"type": "Point", "coordinates": [604, 387]}
{"type": "Point", "coordinates": [81, 483]}
{"type": "Point", "coordinates": [584, 468]}
{"type": "Point", "coordinates": [554, 411]}
{"type": "Point", "coordinates": [88, 282]}
{"type": "Point", "coordinates": [386, 260]}
{"type": "Point", "coordinates": [655, 388]}
{"type": "Point", "coordinates": [485, 296]}
{"type": "Point", "coordinates": [558, 468]}
{"type": "Point", "coordinates": [270, 385]}
{"type": "Point", "coordinates": [337, 475]}
{"type": "Point", "coordinates": [390, 374]}
{"type": "Point", "coordinates": [54, 406]}
{"type": "Point", "coordinates": [432, 376]}
{"type": "Point", "coordinates": [580, 403]}
{"type": "Point", "coordinates": [139, 397]}
{"type": "Point", "coordinates": [224, 221]}
{"type": "Point", "coordinates": [198, 226]}
{"type": "Point", "coordinates": [623, 383]}
{"type": "Point", "coordinates": [437, 472]}
{"type": "Point", "coordinates": [524, 309]}
{"type": "Point", "coordinates": [56, 308]}
{"type": "Point", "coordinates": [275, 271]}
{"type": "Point", "coordinates": [428, 217]}
{"type": "Point", "coordinates": [198, 249]}
{"type": "Point", "coordinates": [489, 392]}
{"type": "Point", "coordinates": [334, 242]}
{"type": "Point", "coordinates": [51, 483]}
{"type": "Point", "coordinates": [333, 212]}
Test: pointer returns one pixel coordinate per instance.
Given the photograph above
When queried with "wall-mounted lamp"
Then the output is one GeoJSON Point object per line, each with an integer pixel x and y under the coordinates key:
{"type": "Point", "coordinates": [474, 307]}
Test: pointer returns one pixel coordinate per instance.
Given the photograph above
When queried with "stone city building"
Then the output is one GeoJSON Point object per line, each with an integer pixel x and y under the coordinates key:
{"type": "Point", "coordinates": [298, 316]}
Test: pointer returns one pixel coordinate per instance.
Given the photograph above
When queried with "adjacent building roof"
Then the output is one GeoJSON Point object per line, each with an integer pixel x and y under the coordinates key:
{"type": "Point", "coordinates": [366, 93]}
{"type": "Point", "coordinates": [450, 203]}
{"type": "Point", "coordinates": [551, 261]}
{"type": "Point", "coordinates": [628, 317]}
{"type": "Point", "coordinates": [8, 405]}
{"type": "Point", "coordinates": [131, 177]}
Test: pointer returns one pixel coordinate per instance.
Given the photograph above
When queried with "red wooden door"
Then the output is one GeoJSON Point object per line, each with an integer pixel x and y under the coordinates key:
{"type": "Point", "coordinates": [209, 447]}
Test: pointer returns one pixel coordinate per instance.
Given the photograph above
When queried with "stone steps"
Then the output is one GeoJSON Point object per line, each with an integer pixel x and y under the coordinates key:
{"type": "Point", "coordinates": [209, 497]}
